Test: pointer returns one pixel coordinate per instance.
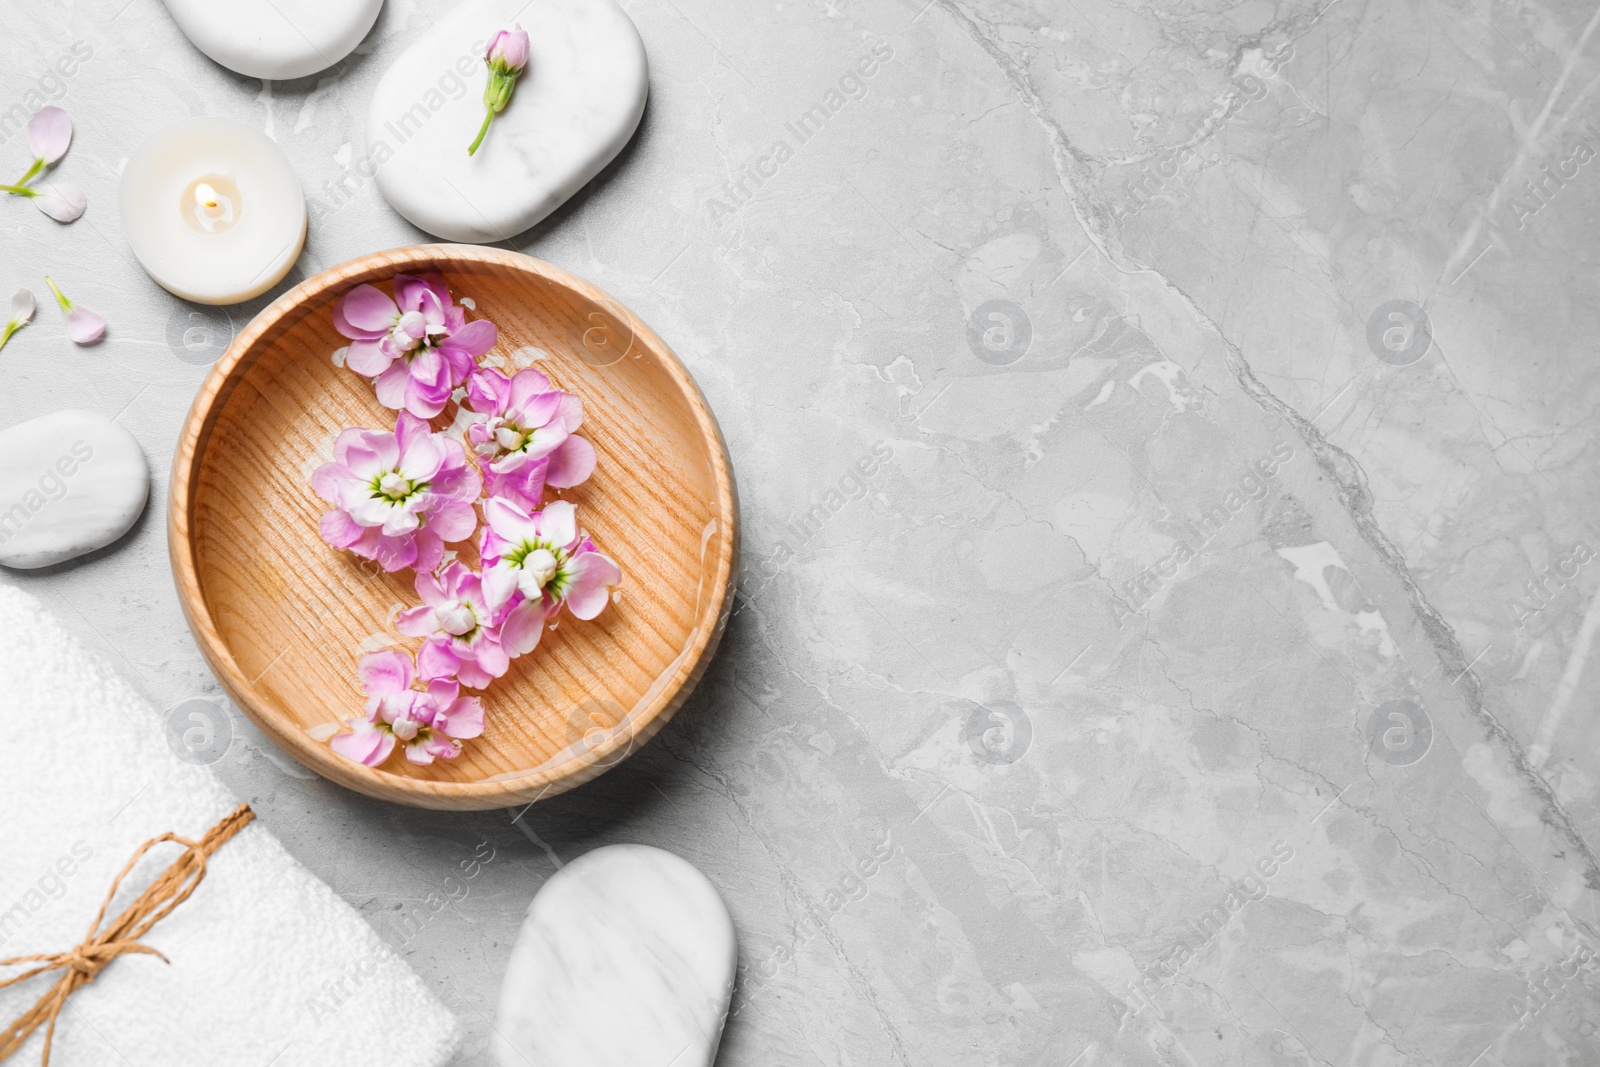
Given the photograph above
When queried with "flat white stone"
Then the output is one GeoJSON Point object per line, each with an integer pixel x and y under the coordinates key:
{"type": "Point", "coordinates": [575, 106]}
{"type": "Point", "coordinates": [275, 39]}
{"type": "Point", "coordinates": [70, 482]}
{"type": "Point", "coordinates": [626, 957]}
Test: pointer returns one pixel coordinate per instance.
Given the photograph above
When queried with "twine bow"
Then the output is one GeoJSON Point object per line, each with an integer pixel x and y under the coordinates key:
{"type": "Point", "coordinates": [80, 964]}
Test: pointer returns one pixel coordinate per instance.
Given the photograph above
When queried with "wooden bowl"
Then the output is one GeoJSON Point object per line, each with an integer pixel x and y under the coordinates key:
{"type": "Point", "coordinates": [282, 617]}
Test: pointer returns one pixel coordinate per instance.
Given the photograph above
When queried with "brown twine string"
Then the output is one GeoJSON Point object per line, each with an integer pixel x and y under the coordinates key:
{"type": "Point", "coordinates": [82, 963]}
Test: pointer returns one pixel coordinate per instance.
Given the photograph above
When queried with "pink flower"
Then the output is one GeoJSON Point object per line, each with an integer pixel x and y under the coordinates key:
{"type": "Point", "coordinates": [398, 497]}
{"type": "Point", "coordinates": [506, 57]}
{"type": "Point", "coordinates": [430, 723]}
{"type": "Point", "coordinates": [508, 49]}
{"type": "Point", "coordinates": [529, 435]}
{"type": "Point", "coordinates": [544, 557]}
{"type": "Point", "coordinates": [417, 348]}
{"type": "Point", "coordinates": [469, 638]}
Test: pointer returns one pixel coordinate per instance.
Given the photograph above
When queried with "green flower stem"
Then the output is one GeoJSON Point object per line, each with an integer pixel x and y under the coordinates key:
{"type": "Point", "coordinates": [482, 132]}
{"type": "Point", "coordinates": [11, 327]}
{"type": "Point", "coordinates": [61, 298]}
{"type": "Point", "coordinates": [33, 172]}
{"type": "Point", "coordinates": [18, 190]}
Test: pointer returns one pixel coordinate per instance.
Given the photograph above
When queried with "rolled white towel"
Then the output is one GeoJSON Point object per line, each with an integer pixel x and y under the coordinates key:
{"type": "Point", "coordinates": [87, 777]}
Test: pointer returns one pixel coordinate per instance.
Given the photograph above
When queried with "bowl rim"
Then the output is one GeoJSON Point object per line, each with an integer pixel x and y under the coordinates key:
{"type": "Point", "coordinates": [500, 791]}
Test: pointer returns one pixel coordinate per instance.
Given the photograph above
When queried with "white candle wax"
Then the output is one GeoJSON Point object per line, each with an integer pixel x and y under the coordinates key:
{"type": "Point", "coordinates": [213, 211]}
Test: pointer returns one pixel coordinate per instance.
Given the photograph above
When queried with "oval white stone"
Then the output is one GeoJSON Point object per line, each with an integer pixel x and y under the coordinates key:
{"type": "Point", "coordinates": [575, 106]}
{"type": "Point", "coordinates": [626, 957]}
{"type": "Point", "coordinates": [70, 482]}
{"type": "Point", "coordinates": [275, 39]}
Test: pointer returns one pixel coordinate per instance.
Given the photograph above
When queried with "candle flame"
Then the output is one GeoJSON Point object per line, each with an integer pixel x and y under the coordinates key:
{"type": "Point", "coordinates": [206, 195]}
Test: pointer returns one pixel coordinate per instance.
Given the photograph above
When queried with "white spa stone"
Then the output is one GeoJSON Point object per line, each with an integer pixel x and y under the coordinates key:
{"type": "Point", "coordinates": [275, 39]}
{"type": "Point", "coordinates": [575, 106]}
{"type": "Point", "coordinates": [70, 482]}
{"type": "Point", "coordinates": [626, 957]}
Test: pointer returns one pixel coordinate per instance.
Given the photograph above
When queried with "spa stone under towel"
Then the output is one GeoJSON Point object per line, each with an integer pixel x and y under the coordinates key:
{"type": "Point", "coordinates": [87, 777]}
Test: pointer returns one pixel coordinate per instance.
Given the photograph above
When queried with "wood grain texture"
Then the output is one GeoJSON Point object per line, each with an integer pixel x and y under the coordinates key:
{"type": "Point", "coordinates": [282, 617]}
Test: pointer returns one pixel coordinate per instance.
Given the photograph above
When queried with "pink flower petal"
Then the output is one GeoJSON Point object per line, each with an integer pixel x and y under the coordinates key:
{"type": "Point", "coordinates": [367, 357]}
{"type": "Point", "coordinates": [437, 660]}
{"type": "Point", "coordinates": [521, 631]}
{"type": "Point", "coordinates": [528, 384]}
{"type": "Point", "coordinates": [541, 409]}
{"type": "Point", "coordinates": [408, 430]}
{"type": "Point", "coordinates": [424, 292]}
{"type": "Point", "coordinates": [49, 133]}
{"type": "Point", "coordinates": [327, 480]}
{"type": "Point", "coordinates": [421, 455]}
{"type": "Point", "coordinates": [571, 463]}
{"type": "Point", "coordinates": [366, 454]}
{"type": "Point", "coordinates": [430, 590]}
{"type": "Point", "coordinates": [428, 367]}
{"type": "Point", "coordinates": [339, 530]}
{"type": "Point", "coordinates": [385, 672]}
{"type": "Point", "coordinates": [425, 401]}
{"type": "Point", "coordinates": [499, 582]}
{"type": "Point", "coordinates": [367, 745]}
{"type": "Point", "coordinates": [429, 550]}
{"type": "Point", "coordinates": [441, 747]}
{"type": "Point", "coordinates": [459, 482]}
{"type": "Point", "coordinates": [453, 522]}
{"type": "Point", "coordinates": [493, 659]}
{"type": "Point", "coordinates": [475, 338]}
{"type": "Point", "coordinates": [488, 390]}
{"type": "Point", "coordinates": [84, 326]}
{"type": "Point", "coordinates": [366, 309]}
{"type": "Point", "coordinates": [473, 676]}
{"type": "Point", "coordinates": [398, 553]}
{"type": "Point", "coordinates": [348, 438]}
{"type": "Point", "coordinates": [458, 364]}
{"type": "Point", "coordinates": [417, 622]}
{"type": "Point", "coordinates": [510, 521]}
{"type": "Point", "coordinates": [523, 487]}
{"type": "Point", "coordinates": [558, 522]}
{"type": "Point", "coordinates": [545, 440]}
{"type": "Point", "coordinates": [571, 412]}
{"type": "Point", "coordinates": [443, 693]}
{"type": "Point", "coordinates": [462, 718]}
{"type": "Point", "coordinates": [397, 521]}
{"type": "Point", "coordinates": [367, 544]}
{"type": "Point", "coordinates": [592, 575]}
{"type": "Point", "coordinates": [391, 386]}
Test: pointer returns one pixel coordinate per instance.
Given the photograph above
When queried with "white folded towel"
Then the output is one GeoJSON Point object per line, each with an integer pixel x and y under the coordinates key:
{"type": "Point", "coordinates": [86, 776]}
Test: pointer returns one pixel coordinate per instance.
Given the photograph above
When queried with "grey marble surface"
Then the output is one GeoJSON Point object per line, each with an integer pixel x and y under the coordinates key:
{"type": "Point", "coordinates": [1200, 672]}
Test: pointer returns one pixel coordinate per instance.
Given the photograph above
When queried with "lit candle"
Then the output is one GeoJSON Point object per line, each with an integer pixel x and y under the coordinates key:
{"type": "Point", "coordinates": [213, 210]}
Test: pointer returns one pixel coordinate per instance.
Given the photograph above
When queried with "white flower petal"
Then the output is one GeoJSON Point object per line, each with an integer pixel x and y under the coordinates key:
{"type": "Point", "coordinates": [61, 201]}
{"type": "Point", "coordinates": [21, 307]}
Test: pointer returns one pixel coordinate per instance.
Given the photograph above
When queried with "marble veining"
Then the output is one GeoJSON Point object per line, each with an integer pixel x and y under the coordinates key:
{"type": "Point", "coordinates": [627, 956]}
